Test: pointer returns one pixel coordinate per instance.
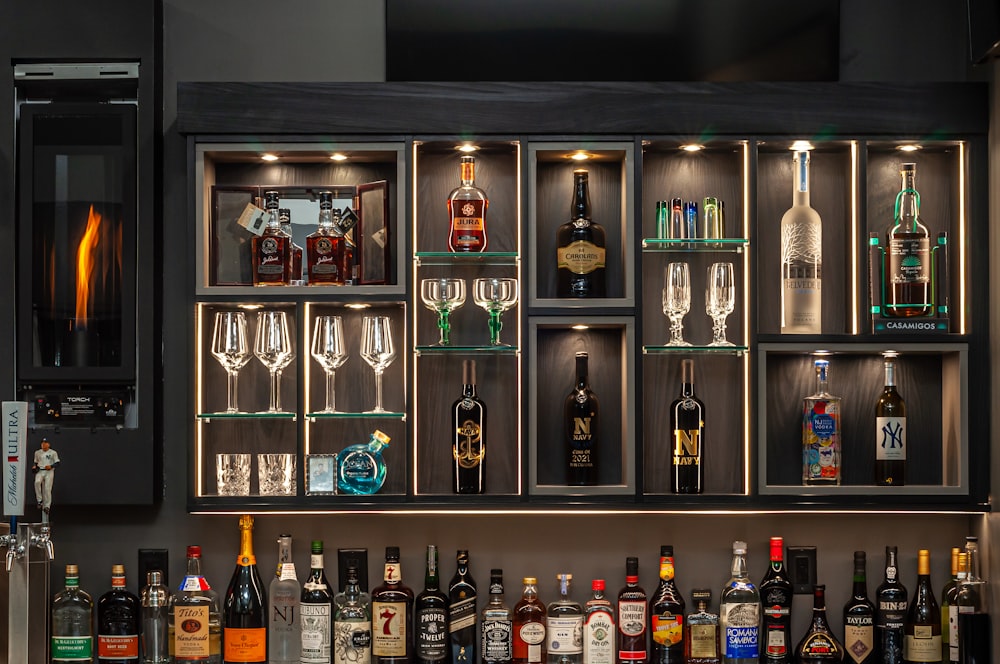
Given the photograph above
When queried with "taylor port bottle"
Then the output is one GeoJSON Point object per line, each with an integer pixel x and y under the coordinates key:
{"type": "Point", "coordinates": [890, 432]}
{"type": "Point", "coordinates": [462, 612]}
{"type": "Point", "coordinates": [776, 602]}
{"type": "Point", "coordinates": [118, 622]}
{"type": "Point", "coordinates": [467, 205]}
{"type": "Point", "coordinates": [284, 639]}
{"type": "Point", "coordinates": [801, 257]}
{"type": "Point", "coordinates": [392, 615]}
{"type": "Point", "coordinates": [72, 621]}
{"type": "Point", "coordinates": [632, 617]}
{"type": "Point", "coordinates": [581, 247]}
{"type": "Point", "coordinates": [497, 644]}
{"type": "Point", "coordinates": [890, 612]}
{"type": "Point", "coordinates": [666, 614]}
{"type": "Point", "coordinates": [922, 636]}
{"type": "Point", "coordinates": [687, 425]}
{"type": "Point", "coordinates": [859, 617]}
{"type": "Point", "coordinates": [316, 611]}
{"type": "Point", "coordinates": [819, 645]}
{"type": "Point", "coordinates": [529, 625]}
{"type": "Point", "coordinates": [908, 269]}
{"type": "Point", "coordinates": [430, 616]}
{"type": "Point", "coordinates": [194, 620]}
{"type": "Point", "coordinates": [325, 245]}
{"type": "Point", "coordinates": [975, 631]}
{"type": "Point", "coordinates": [271, 250]}
{"type": "Point", "coordinates": [468, 449]}
{"type": "Point", "coordinates": [581, 414]}
{"type": "Point", "coordinates": [244, 612]}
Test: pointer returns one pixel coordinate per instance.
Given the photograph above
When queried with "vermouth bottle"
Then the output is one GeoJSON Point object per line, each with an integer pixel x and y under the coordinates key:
{"type": "Point", "coordinates": [497, 642]}
{"type": "Point", "coordinates": [890, 615]}
{"type": "Point", "coordinates": [284, 629]}
{"type": "Point", "coordinates": [776, 600]}
{"type": "Point", "coordinates": [908, 273]}
{"type": "Point", "coordinates": [581, 424]}
{"type": "Point", "coordinates": [801, 258]}
{"type": "Point", "coordinates": [468, 449]}
{"type": "Point", "coordinates": [430, 616]}
{"type": "Point", "coordinates": [72, 621]}
{"type": "Point", "coordinates": [890, 432]}
{"type": "Point", "coordinates": [194, 621]}
{"type": "Point", "coordinates": [632, 617]}
{"type": "Point", "coordinates": [392, 612]}
{"type": "Point", "coordinates": [325, 245]}
{"type": "Point", "coordinates": [975, 631]}
{"type": "Point", "coordinates": [687, 423]}
{"type": "Point", "coordinates": [859, 618]}
{"type": "Point", "coordinates": [244, 636]}
{"type": "Point", "coordinates": [821, 432]}
{"type": "Point", "coordinates": [564, 626]}
{"type": "Point", "coordinates": [271, 250]}
{"type": "Point", "coordinates": [529, 625]}
{"type": "Point", "coordinates": [739, 613]}
{"type": "Point", "coordinates": [598, 627]}
{"type": "Point", "coordinates": [666, 614]}
{"type": "Point", "coordinates": [922, 640]}
{"type": "Point", "coordinates": [819, 645]}
{"type": "Point", "coordinates": [462, 612]}
{"type": "Point", "coordinates": [295, 269]}
{"type": "Point", "coordinates": [118, 622]}
{"type": "Point", "coordinates": [352, 624]}
{"type": "Point", "coordinates": [316, 611]}
{"type": "Point", "coordinates": [581, 243]}
{"type": "Point", "coordinates": [467, 206]}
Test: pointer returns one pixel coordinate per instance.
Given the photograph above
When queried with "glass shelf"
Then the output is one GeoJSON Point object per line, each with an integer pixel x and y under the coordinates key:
{"type": "Point", "coordinates": [466, 258]}
{"type": "Point", "coordinates": [728, 244]}
{"type": "Point", "coordinates": [357, 416]}
{"type": "Point", "coordinates": [208, 417]}
{"type": "Point", "coordinates": [723, 350]}
{"type": "Point", "coordinates": [489, 349]}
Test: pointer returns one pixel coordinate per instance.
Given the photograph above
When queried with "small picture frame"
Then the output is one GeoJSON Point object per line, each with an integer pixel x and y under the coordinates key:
{"type": "Point", "coordinates": [321, 474]}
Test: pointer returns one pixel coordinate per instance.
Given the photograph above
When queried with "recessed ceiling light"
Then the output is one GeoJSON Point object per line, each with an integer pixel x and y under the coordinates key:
{"type": "Point", "coordinates": [337, 156]}
{"type": "Point", "coordinates": [579, 155]}
{"type": "Point", "coordinates": [801, 146]}
{"type": "Point", "coordinates": [692, 147]}
{"type": "Point", "coordinates": [358, 305]}
{"type": "Point", "coordinates": [269, 157]}
{"type": "Point", "coordinates": [466, 147]}
{"type": "Point", "coordinates": [581, 327]}
{"type": "Point", "coordinates": [909, 147]}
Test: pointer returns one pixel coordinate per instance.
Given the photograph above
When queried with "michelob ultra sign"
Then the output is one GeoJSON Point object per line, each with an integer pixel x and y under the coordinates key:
{"type": "Point", "coordinates": [15, 431]}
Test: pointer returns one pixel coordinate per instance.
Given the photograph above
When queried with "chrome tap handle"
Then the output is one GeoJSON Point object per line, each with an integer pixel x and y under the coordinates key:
{"type": "Point", "coordinates": [11, 554]}
{"type": "Point", "coordinates": [43, 540]}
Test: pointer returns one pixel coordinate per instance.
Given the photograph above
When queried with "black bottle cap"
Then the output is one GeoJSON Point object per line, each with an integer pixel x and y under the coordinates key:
{"type": "Point", "coordinates": [666, 550]}
{"type": "Point", "coordinates": [392, 552]}
{"type": "Point", "coordinates": [859, 557]}
{"type": "Point", "coordinates": [632, 566]}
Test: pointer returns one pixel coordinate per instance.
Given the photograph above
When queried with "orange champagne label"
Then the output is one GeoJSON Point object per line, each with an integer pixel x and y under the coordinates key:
{"type": "Point", "coordinates": [245, 645]}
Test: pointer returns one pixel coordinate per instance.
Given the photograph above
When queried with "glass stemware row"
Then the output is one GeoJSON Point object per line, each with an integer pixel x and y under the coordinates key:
{"type": "Point", "coordinates": [720, 300]}
{"type": "Point", "coordinates": [445, 295]}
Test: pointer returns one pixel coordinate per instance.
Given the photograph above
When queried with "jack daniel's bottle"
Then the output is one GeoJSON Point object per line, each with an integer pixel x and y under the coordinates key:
{"type": "Point", "coordinates": [468, 416]}
{"type": "Point", "coordinates": [272, 249]}
{"type": "Point", "coordinates": [581, 246]}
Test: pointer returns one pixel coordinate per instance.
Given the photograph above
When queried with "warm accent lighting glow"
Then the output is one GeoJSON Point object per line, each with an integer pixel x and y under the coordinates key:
{"type": "Point", "coordinates": [581, 327]}
{"type": "Point", "coordinates": [692, 147]}
{"type": "Point", "coordinates": [337, 156]}
{"type": "Point", "coordinates": [579, 156]}
{"type": "Point", "coordinates": [357, 305]}
{"type": "Point", "coordinates": [800, 146]}
{"type": "Point", "coordinates": [909, 147]}
{"type": "Point", "coordinates": [889, 353]}
{"type": "Point", "coordinates": [269, 157]}
{"type": "Point", "coordinates": [820, 353]}
{"type": "Point", "coordinates": [467, 147]}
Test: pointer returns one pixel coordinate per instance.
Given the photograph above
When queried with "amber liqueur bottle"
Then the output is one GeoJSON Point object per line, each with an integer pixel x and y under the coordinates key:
{"type": "Point", "coordinates": [890, 612]}
{"type": "Point", "coordinates": [859, 618]}
{"type": "Point", "coordinates": [295, 269]}
{"type": "Point", "coordinates": [529, 625]}
{"type": "Point", "coordinates": [468, 448]}
{"type": "Point", "coordinates": [118, 613]}
{"type": "Point", "coordinates": [272, 249]}
{"type": "Point", "coordinates": [581, 243]}
{"type": "Point", "coordinates": [908, 269]}
{"type": "Point", "coordinates": [776, 602]}
{"type": "Point", "coordinates": [666, 614]}
{"type": "Point", "coordinates": [632, 621]}
{"type": "Point", "coordinates": [687, 423]}
{"type": "Point", "coordinates": [244, 634]}
{"type": "Point", "coordinates": [922, 640]}
{"type": "Point", "coordinates": [580, 421]}
{"type": "Point", "coordinates": [325, 245]}
{"type": "Point", "coordinates": [392, 611]}
{"type": "Point", "coordinates": [819, 645]}
{"type": "Point", "coordinates": [467, 206]}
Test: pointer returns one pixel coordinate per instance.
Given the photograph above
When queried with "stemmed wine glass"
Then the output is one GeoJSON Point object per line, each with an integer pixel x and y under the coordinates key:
{"type": "Point", "coordinates": [495, 296]}
{"type": "Point", "coordinates": [720, 298]}
{"type": "Point", "coordinates": [378, 351]}
{"type": "Point", "coordinates": [232, 349]}
{"type": "Point", "coordinates": [329, 351]}
{"type": "Point", "coordinates": [443, 296]}
{"type": "Point", "coordinates": [677, 300]}
{"type": "Point", "coordinates": [273, 347]}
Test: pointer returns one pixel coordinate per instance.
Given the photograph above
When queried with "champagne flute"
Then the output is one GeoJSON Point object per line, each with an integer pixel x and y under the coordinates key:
{"type": "Point", "coordinates": [329, 351]}
{"type": "Point", "coordinates": [677, 300]}
{"type": "Point", "coordinates": [443, 296]}
{"type": "Point", "coordinates": [378, 351]}
{"type": "Point", "coordinates": [273, 347]}
{"type": "Point", "coordinates": [232, 349]}
{"type": "Point", "coordinates": [495, 296]}
{"type": "Point", "coordinates": [720, 299]}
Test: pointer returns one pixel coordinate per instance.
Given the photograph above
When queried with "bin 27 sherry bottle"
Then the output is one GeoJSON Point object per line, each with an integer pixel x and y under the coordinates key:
{"type": "Point", "coordinates": [467, 205]}
{"type": "Point", "coordinates": [909, 261]}
{"type": "Point", "coordinates": [687, 422]}
{"type": "Point", "coordinates": [581, 421]}
{"type": "Point", "coordinates": [468, 449]}
{"type": "Point", "coordinates": [581, 246]}
{"type": "Point", "coordinates": [890, 432]}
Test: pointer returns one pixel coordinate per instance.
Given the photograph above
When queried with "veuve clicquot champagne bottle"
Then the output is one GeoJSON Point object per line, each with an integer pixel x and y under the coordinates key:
{"type": "Point", "coordinates": [687, 422]}
{"type": "Point", "coordinates": [890, 432]}
{"type": "Point", "coordinates": [908, 272]}
{"type": "Point", "coordinates": [922, 640]}
{"type": "Point", "coordinates": [801, 258]}
{"type": "Point", "coordinates": [580, 242]}
{"type": "Point", "coordinates": [468, 449]}
{"type": "Point", "coordinates": [580, 417]}
{"type": "Point", "coordinates": [244, 634]}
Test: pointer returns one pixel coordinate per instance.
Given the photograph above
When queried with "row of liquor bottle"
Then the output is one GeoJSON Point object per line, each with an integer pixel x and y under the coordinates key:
{"type": "Point", "coordinates": [311, 623]}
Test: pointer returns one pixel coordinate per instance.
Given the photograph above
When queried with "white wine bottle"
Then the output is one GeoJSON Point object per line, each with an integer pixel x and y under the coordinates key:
{"type": "Point", "coordinates": [801, 258]}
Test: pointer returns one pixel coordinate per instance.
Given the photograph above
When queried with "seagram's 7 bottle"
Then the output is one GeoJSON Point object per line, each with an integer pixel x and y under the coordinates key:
{"type": "Point", "coordinates": [801, 258]}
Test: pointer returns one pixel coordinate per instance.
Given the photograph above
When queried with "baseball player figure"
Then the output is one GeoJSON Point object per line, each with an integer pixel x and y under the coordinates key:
{"type": "Point", "coordinates": [44, 468]}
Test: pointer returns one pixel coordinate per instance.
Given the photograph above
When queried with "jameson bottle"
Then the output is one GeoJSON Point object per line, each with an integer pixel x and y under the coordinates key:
{"type": "Point", "coordinates": [467, 206]}
{"type": "Point", "coordinates": [430, 616]}
{"type": "Point", "coordinates": [580, 418]}
{"type": "Point", "coordinates": [352, 625]}
{"type": "Point", "coordinates": [72, 621]}
{"type": "Point", "coordinates": [564, 626]}
{"type": "Point", "coordinates": [468, 449]}
{"type": "Point", "coordinates": [801, 258]}
{"type": "Point", "coordinates": [890, 614]}
{"type": "Point", "coordinates": [598, 626]}
{"type": "Point", "coordinates": [890, 432]}
{"type": "Point", "coordinates": [819, 645]}
{"type": "Point", "coordinates": [975, 631]}
{"type": "Point", "coordinates": [859, 618]}
{"type": "Point", "coordinates": [316, 611]}
{"type": "Point", "coordinates": [821, 432]}
{"type": "Point", "coordinates": [325, 245]}
{"type": "Point", "coordinates": [529, 625]}
{"type": "Point", "coordinates": [497, 642]}
{"type": "Point", "coordinates": [580, 242]}
{"type": "Point", "coordinates": [194, 622]}
{"type": "Point", "coordinates": [666, 614]}
{"type": "Point", "coordinates": [908, 273]}
{"type": "Point", "coordinates": [271, 250]}
{"type": "Point", "coordinates": [776, 600]}
{"type": "Point", "coordinates": [284, 636]}
{"type": "Point", "coordinates": [922, 640]}
{"type": "Point", "coordinates": [244, 636]}
{"type": "Point", "coordinates": [118, 622]}
{"type": "Point", "coordinates": [462, 612]}
{"type": "Point", "coordinates": [687, 422]}
{"type": "Point", "coordinates": [739, 612]}
{"type": "Point", "coordinates": [392, 611]}
{"type": "Point", "coordinates": [295, 269]}
{"type": "Point", "coordinates": [632, 612]}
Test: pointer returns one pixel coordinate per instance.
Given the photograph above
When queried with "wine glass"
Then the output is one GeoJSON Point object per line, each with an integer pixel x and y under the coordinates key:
{"type": "Point", "coordinates": [443, 296]}
{"type": "Point", "coordinates": [378, 351]}
{"type": "Point", "coordinates": [495, 296]}
{"type": "Point", "coordinates": [329, 351]}
{"type": "Point", "coordinates": [720, 298]}
{"type": "Point", "coordinates": [677, 300]}
{"type": "Point", "coordinates": [232, 349]}
{"type": "Point", "coordinates": [273, 347]}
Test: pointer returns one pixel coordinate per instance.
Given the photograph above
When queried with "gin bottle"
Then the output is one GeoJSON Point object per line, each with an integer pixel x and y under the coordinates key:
{"type": "Point", "coordinates": [271, 250]}
{"type": "Point", "coordinates": [497, 643]}
{"type": "Point", "coordinates": [701, 631]}
{"type": "Point", "coordinates": [908, 273]}
{"type": "Point", "coordinates": [284, 639]}
{"type": "Point", "coordinates": [72, 621]}
{"type": "Point", "coordinates": [598, 627]}
{"type": "Point", "coordinates": [467, 205]}
{"type": "Point", "coordinates": [194, 625]}
{"type": "Point", "coordinates": [739, 612]}
{"type": "Point", "coordinates": [564, 626]}
{"type": "Point", "coordinates": [361, 470]}
{"type": "Point", "coordinates": [352, 626]}
{"type": "Point", "coordinates": [821, 432]}
{"type": "Point", "coordinates": [801, 258]}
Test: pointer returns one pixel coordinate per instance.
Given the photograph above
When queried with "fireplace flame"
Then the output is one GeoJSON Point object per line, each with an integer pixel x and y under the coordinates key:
{"type": "Point", "coordinates": [85, 260]}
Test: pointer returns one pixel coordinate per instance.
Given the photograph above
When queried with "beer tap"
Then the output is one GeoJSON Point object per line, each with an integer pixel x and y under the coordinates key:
{"type": "Point", "coordinates": [43, 541]}
{"type": "Point", "coordinates": [15, 549]}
